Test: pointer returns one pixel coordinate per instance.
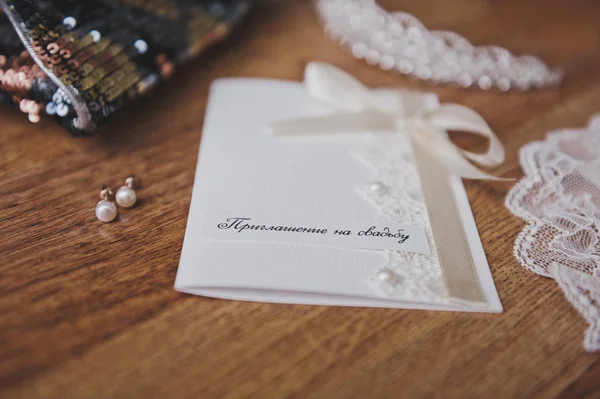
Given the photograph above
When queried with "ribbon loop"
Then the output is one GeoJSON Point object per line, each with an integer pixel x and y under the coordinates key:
{"type": "Point", "coordinates": [334, 87]}
{"type": "Point", "coordinates": [460, 118]}
{"type": "Point", "coordinates": [359, 109]}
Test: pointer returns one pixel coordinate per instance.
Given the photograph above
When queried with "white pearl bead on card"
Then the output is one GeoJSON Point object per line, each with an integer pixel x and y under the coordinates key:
{"type": "Point", "coordinates": [106, 211]}
{"type": "Point", "coordinates": [386, 281]}
{"type": "Point", "coordinates": [387, 276]}
{"type": "Point", "coordinates": [377, 187]}
{"type": "Point", "coordinates": [126, 197]}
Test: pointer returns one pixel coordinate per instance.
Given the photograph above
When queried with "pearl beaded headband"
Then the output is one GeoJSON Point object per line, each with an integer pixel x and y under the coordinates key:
{"type": "Point", "coordinates": [399, 41]}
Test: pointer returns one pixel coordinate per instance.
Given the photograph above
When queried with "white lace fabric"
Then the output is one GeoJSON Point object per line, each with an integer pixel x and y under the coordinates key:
{"type": "Point", "coordinates": [559, 198]}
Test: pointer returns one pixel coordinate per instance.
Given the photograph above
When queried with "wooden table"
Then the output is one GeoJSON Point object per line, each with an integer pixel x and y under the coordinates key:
{"type": "Point", "coordinates": [88, 309]}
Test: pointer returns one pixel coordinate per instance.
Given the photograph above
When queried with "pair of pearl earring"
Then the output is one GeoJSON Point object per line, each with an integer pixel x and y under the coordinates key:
{"type": "Point", "coordinates": [106, 210]}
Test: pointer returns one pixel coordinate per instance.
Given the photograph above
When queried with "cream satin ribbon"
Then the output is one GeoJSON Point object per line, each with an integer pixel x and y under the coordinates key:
{"type": "Point", "coordinates": [360, 109]}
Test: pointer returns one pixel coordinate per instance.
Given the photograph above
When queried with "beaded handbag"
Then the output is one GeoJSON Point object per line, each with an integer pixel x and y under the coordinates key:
{"type": "Point", "coordinates": [80, 61]}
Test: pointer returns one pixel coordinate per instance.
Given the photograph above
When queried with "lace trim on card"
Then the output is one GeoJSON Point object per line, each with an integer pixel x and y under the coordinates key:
{"type": "Point", "coordinates": [396, 192]}
{"type": "Point", "coordinates": [559, 198]}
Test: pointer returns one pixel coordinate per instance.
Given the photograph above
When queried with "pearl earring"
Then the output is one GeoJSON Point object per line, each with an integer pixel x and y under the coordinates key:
{"type": "Point", "coordinates": [106, 210]}
{"type": "Point", "coordinates": [126, 195]}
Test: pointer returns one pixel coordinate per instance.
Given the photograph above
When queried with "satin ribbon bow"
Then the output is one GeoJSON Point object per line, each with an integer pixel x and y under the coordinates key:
{"type": "Point", "coordinates": [359, 109]}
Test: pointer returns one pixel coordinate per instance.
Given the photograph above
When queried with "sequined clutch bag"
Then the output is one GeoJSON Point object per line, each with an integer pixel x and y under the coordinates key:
{"type": "Point", "coordinates": [80, 61]}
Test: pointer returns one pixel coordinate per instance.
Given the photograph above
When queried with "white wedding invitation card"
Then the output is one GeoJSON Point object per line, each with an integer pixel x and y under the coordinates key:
{"type": "Point", "coordinates": [343, 219]}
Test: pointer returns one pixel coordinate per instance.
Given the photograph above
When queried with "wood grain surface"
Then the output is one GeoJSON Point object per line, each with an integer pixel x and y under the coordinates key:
{"type": "Point", "coordinates": [88, 310]}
